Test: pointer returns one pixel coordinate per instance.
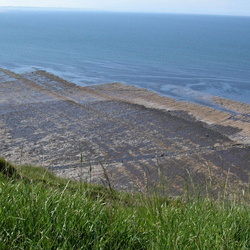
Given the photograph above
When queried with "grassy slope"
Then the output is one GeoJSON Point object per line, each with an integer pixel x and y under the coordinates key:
{"type": "Point", "coordinates": [41, 211]}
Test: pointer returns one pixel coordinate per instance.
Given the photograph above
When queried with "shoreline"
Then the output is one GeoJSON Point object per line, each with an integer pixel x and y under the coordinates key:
{"type": "Point", "coordinates": [178, 93]}
{"type": "Point", "coordinates": [48, 121]}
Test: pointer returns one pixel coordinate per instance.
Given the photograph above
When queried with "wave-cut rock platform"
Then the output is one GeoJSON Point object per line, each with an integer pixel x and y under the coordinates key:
{"type": "Point", "coordinates": [137, 136]}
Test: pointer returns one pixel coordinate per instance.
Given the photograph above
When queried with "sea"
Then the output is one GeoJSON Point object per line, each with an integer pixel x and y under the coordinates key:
{"type": "Point", "coordinates": [186, 57]}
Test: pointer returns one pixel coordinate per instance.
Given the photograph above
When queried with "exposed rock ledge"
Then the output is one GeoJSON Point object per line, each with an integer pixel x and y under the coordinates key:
{"type": "Point", "coordinates": [137, 135]}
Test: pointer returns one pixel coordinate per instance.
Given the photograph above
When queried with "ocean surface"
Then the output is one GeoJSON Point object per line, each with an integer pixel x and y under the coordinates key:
{"type": "Point", "coordinates": [188, 57]}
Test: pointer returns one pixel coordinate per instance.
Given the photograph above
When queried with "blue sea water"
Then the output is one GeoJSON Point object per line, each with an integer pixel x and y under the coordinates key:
{"type": "Point", "coordinates": [183, 56]}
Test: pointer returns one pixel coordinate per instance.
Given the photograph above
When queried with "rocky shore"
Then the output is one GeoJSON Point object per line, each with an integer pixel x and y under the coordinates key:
{"type": "Point", "coordinates": [137, 136]}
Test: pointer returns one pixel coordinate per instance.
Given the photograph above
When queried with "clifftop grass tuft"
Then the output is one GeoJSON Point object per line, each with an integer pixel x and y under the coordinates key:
{"type": "Point", "coordinates": [41, 211]}
{"type": "Point", "coordinates": [7, 168]}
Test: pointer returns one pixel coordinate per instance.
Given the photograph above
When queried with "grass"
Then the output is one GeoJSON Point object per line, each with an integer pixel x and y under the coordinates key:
{"type": "Point", "coordinates": [41, 211]}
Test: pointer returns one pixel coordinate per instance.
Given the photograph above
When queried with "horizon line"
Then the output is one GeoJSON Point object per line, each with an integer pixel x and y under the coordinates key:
{"type": "Point", "coordinates": [121, 11]}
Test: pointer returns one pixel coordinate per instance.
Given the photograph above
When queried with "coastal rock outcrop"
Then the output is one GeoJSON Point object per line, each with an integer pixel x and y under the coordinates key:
{"type": "Point", "coordinates": [139, 137]}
